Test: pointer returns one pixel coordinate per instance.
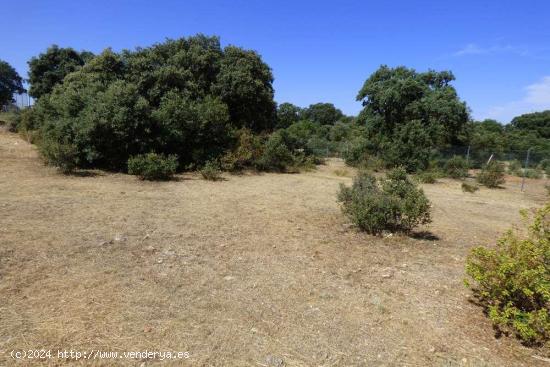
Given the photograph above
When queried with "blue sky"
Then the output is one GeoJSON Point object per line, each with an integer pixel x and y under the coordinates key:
{"type": "Point", "coordinates": [321, 51]}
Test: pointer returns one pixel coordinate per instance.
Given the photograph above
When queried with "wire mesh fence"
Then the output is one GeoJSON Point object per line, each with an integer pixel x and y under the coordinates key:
{"type": "Point", "coordinates": [529, 163]}
{"type": "Point", "coordinates": [528, 158]}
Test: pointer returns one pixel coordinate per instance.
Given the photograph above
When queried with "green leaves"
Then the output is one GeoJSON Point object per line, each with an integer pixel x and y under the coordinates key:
{"type": "Point", "coordinates": [10, 83]}
{"type": "Point", "coordinates": [407, 114]}
{"type": "Point", "coordinates": [50, 68]}
{"type": "Point", "coordinates": [152, 166]}
{"type": "Point", "coordinates": [181, 97]}
{"type": "Point", "coordinates": [394, 203]}
{"type": "Point", "coordinates": [513, 280]}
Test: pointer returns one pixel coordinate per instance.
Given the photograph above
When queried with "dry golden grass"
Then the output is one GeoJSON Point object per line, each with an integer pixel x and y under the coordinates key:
{"type": "Point", "coordinates": [239, 270]}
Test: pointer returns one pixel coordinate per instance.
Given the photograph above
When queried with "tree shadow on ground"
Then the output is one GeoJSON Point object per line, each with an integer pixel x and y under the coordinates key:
{"type": "Point", "coordinates": [424, 235]}
{"type": "Point", "coordinates": [85, 173]}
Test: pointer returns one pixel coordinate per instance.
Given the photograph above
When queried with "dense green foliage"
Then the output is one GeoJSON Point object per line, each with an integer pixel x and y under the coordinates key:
{"type": "Point", "coordinates": [287, 114]}
{"type": "Point", "coordinates": [322, 113]}
{"type": "Point", "coordinates": [153, 166]}
{"type": "Point", "coordinates": [512, 281]}
{"type": "Point", "coordinates": [544, 165]}
{"type": "Point", "coordinates": [185, 97]}
{"type": "Point", "coordinates": [408, 114]}
{"type": "Point", "coordinates": [528, 131]}
{"type": "Point", "coordinates": [191, 98]}
{"type": "Point", "coordinates": [537, 122]}
{"type": "Point", "coordinates": [491, 175]}
{"type": "Point", "coordinates": [10, 83]}
{"type": "Point", "coordinates": [394, 203]}
{"type": "Point", "coordinates": [50, 68]}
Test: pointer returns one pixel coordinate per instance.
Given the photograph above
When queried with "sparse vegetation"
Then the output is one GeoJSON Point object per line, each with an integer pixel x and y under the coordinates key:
{"type": "Point", "coordinates": [468, 187]}
{"type": "Point", "coordinates": [514, 168]}
{"type": "Point", "coordinates": [532, 173]}
{"type": "Point", "coordinates": [393, 204]}
{"type": "Point", "coordinates": [341, 172]}
{"type": "Point", "coordinates": [512, 281]}
{"type": "Point", "coordinates": [492, 174]}
{"type": "Point", "coordinates": [427, 177]}
{"type": "Point", "coordinates": [153, 166]}
{"type": "Point", "coordinates": [281, 234]}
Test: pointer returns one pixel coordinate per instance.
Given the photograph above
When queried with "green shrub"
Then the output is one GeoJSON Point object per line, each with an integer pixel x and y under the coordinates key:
{"type": "Point", "coordinates": [355, 151]}
{"type": "Point", "coordinates": [456, 167]}
{"type": "Point", "coordinates": [512, 281]}
{"type": "Point", "coordinates": [427, 177]}
{"type": "Point", "coordinates": [491, 175]}
{"type": "Point", "coordinates": [393, 204]}
{"type": "Point", "coordinates": [153, 166]}
{"type": "Point", "coordinates": [211, 171]}
{"type": "Point", "coordinates": [247, 152]}
{"type": "Point", "coordinates": [61, 155]}
{"type": "Point", "coordinates": [466, 187]}
{"type": "Point", "coordinates": [180, 97]}
{"type": "Point", "coordinates": [276, 155]}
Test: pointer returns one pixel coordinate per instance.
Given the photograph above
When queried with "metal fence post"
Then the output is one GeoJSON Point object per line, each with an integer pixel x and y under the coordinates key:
{"type": "Point", "coordinates": [525, 169]}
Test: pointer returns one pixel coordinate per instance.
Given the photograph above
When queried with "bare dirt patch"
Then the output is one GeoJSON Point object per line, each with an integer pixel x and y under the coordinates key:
{"type": "Point", "coordinates": [253, 270]}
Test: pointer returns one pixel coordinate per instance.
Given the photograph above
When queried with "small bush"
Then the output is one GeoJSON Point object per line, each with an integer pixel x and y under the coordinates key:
{"type": "Point", "coordinates": [491, 175]}
{"type": "Point", "coordinates": [303, 162]}
{"type": "Point", "coordinates": [276, 155]}
{"type": "Point", "coordinates": [456, 167]}
{"type": "Point", "coordinates": [153, 166]}
{"type": "Point", "coordinates": [248, 151]}
{"type": "Point", "coordinates": [512, 281]}
{"type": "Point", "coordinates": [466, 187]}
{"type": "Point", "coordinates": [61, 155]}
{"type": "Point", "coordinates": [211, 171]}
{"type": "Point", "coordinates": [427, 177]}
{"type": "Point", "coordinates": [393, 204]}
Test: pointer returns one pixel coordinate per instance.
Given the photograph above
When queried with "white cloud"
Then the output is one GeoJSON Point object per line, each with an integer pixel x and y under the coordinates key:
{"type": "Point", "coordinates": [537, 98]}
{"type": "Point", "coordinates": [475, 49]}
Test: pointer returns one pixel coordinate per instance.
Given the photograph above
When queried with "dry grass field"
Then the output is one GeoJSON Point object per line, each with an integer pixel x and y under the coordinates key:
{"type": "Point", "coordinates": [255, 270]}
